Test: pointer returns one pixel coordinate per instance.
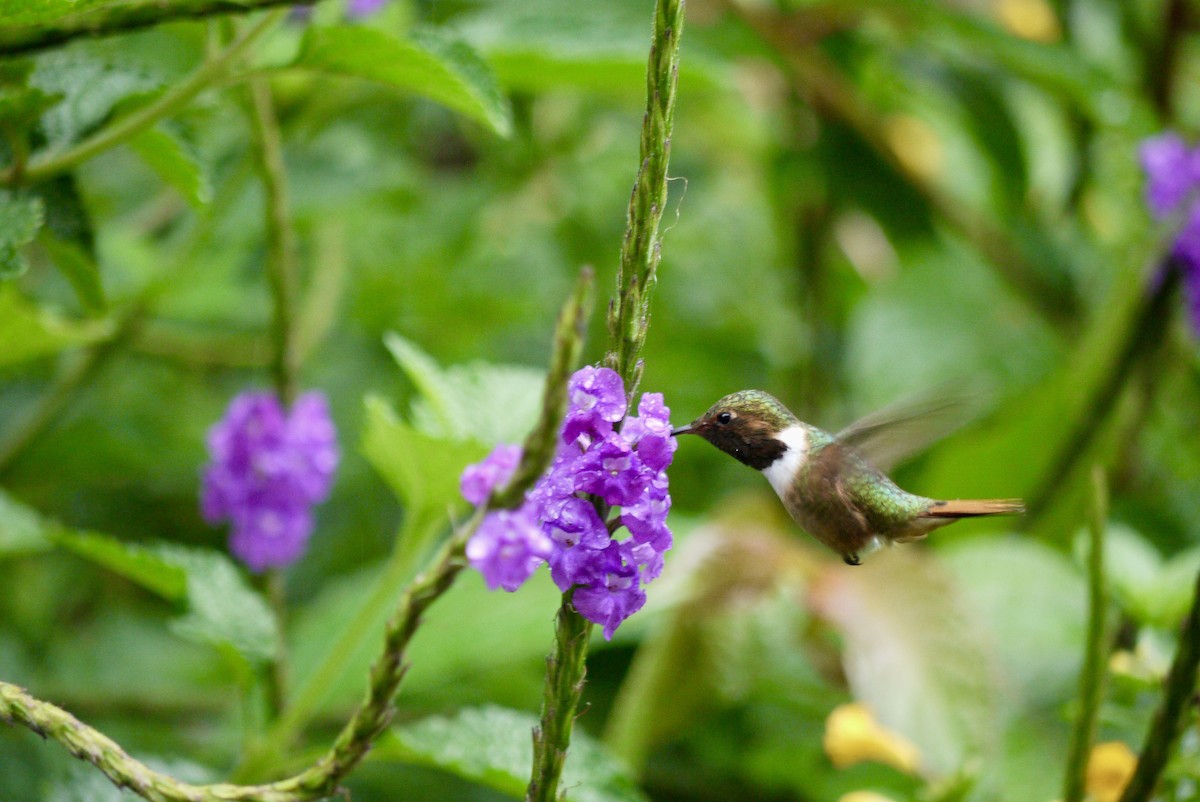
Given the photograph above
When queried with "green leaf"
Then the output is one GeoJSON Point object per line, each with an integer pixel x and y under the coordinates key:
{"type": "Point", "coordinates": [427, 63]}
{"type": "Point", "coordinates": [22, 529]}
{"type": "Point", "coordinates": [141, 565]}
{"type": "Point", "coordinates": [1009, 583]}
{"type": "Point", "coordinates": [1154, 591]}
{"type": "Point", "coordinates": [491, 746]}
{"type": "Point", "coordinates": [489, 403]}
{"type": "Point", "coordinates": [92, 78]}
{"type": "Point", "coordinates": [543, 44]}
{"type": "Point", "coordinates": [422, 469]}
{"type": "Point", "coordinates": [915, 656]}
{"type": "Point", "coordinates": [219, 607]}
{"type": "Point", "coordinates": [27, 332]}
{"type": "Point", "coordinates": [170, 157]}
{"type": "Point", "coordinates": [222, 608]}
{"type": "Point", "coordinates": [20, 218]}
{"type": "Point", "coordinates": [41, 12]}
{"type": "Point", "coordinates": [80, 270]}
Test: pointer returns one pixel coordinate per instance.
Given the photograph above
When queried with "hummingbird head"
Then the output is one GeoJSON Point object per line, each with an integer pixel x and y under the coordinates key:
{"type": "Point", "coordinates": [746, 426]}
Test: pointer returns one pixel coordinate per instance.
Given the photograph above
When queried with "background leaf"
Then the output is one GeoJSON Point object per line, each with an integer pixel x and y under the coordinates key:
{"type": "Point", "coordinates": [491, 745]}
{"type": "Point", "coordinates": [428, 63]}
{"type": "Point", "coordinates": [20, 219]}
{"type": "Point", "coordinates": [166, 154]}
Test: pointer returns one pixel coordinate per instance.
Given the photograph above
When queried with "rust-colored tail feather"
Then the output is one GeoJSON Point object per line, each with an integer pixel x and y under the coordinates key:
{"type": "Point", "coordinates": [970, 508]}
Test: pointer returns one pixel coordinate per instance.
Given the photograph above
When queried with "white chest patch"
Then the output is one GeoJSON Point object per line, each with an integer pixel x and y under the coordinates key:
{"type": "Point", "coordinates": [782, 471]}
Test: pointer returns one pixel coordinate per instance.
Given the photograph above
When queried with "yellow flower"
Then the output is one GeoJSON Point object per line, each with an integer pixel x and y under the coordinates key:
{"type": "Point", "coordinates": [865, 796]}
{"type": "Point", "coordinates": [917, 146]}
{"type": "Point", "coordinates": [852, 735]}
{"type": "Point", "coordinates": [1109, 768]}
{"type": "Point", "coordinates": [1029, 19]}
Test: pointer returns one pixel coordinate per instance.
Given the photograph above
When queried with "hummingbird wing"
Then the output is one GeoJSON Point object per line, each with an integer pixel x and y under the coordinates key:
{"type": "Point", "coordinates": [891, 435]}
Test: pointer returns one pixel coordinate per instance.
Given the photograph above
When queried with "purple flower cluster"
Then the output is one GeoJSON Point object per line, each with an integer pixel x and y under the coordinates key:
{"type": "Point", "coordinates": [1172, 185]}
{"type": "Point", "coordinates": [267, 470]}
{"type": "Point", "coordinates": [558, 523]}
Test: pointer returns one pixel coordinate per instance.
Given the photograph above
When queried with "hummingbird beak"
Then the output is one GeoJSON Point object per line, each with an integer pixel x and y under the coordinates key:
{"type": "Point", "coordinates": [681, 430]}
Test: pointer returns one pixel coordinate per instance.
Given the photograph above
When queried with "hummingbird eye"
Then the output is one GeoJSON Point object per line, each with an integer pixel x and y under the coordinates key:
{"type": "Point", "coordinates": [724, 417]}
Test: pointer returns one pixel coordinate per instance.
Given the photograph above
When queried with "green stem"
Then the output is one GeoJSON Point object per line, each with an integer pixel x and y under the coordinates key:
{"type": "Point", "coordinates": [629, 315]}
{"type": "Point", "coordinates": [1091, 678]}
{"type": "Point", "coordinates": [308, 697]}
{"type": "Point", "coordinates": [1146, 329]}
{"type": "Point", "coordinates": [1166, 726]}
{"type": "Point", "coordinates": [132, 124]}
{"type": "Point", "coordinates": [565, 673]}
{"type": "Point", "coordinates": [282, 258]}
{"type": "Point", "coordinates": [112, 20]}
{"type": "Point", "coordinates": [628, 322]}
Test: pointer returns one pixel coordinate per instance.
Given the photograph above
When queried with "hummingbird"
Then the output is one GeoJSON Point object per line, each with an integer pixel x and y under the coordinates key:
{"type": "Point", "coordinates": [828, 487]}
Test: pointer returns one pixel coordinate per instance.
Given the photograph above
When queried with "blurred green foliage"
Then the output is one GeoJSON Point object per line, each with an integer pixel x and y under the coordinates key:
{"type": "Point", "coordinates": [871, 201]}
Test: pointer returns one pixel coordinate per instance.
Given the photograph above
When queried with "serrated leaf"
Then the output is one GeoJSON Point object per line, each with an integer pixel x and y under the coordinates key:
{"type": "Point", "coordinates": [139, 564]}
{"type": "Point", "coordinates": [22, 530]}
{"type": "Point", "coordinates": [219, 607]}
{"type": "Point", "coordinates": [27, 332]}
{"type": "Point", "coordinates": [914, 655]}
{"type": "Point", "coordinates": [428, 63]}
{"type": "Point", "coordinates": [167, 155]}
{"type": "Point", "coordinates": [92, 78]}
{"type": "Point", "coordinates": [491, 745]}
{"type": "Point", "coordinates": [20, 218]}
{"type": "Point", "coordinates": [489, 403]}
{"type": "Point", "coordinates": [422, 469]}
{"type": "Point", "coordinates": [222, 608]}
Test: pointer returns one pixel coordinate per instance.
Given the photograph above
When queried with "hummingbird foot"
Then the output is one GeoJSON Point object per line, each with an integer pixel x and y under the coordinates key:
{"type": "Point", "coordinates": [851, 559]}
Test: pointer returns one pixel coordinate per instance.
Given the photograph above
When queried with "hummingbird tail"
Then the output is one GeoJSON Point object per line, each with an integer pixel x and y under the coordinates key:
{"type": "Point", "coordinates": [971, 508]}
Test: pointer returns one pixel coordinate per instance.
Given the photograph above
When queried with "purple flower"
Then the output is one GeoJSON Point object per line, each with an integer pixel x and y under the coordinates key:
{"type": "Point", "coordinates": [651, 430]}
{"type": "Point", "coordinates": [358, 9]}
{"type": "Point", "coordinates": [597, 401]}
{"type": "Point", "coordinates": [1173, 179]}
{"type": "Point", "coordinates": [507, 548]}
{"type": "Point", "coordinates": [614, 595]}
{"type": "Point", "coordinates": [613, 472]}
{"type": "Point", "coordinates": [267, 470]}
{"type": "Point", "coordinates": [1171, 172]}
{"type": "Point", "coordinates": [560, 521]}
{"type": "Point", "coordinates": [479, 480]}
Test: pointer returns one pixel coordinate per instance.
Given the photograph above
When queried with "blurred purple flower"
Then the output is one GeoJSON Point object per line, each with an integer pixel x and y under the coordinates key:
{"type": "Point", "coordinates": [266, 471]}
{"type": "Point", "coordinates": [479, 480]}
{"type": "Point", "coordinates": [357, 9]}
{"type": "Point", "coordinates": [560, 524]}
{"type": "Point", "coordinates": [507, 548]}
{"type": "Point", "coordinates": [1170, 168]}
{"type": "Point", "coordinates": [1173, 180]}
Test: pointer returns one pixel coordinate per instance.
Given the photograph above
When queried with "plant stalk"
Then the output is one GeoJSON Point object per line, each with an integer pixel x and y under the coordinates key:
{"type": "Point", "coordinates": [1166, 727]}
{"type": "Point", "coordinates": [1091, 677]}
{"type": "Point", "coordinates": [628, 322]}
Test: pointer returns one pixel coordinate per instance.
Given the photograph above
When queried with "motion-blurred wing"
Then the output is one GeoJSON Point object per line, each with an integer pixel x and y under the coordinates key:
{"type": "Point", "coordinates": [899, 431]}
